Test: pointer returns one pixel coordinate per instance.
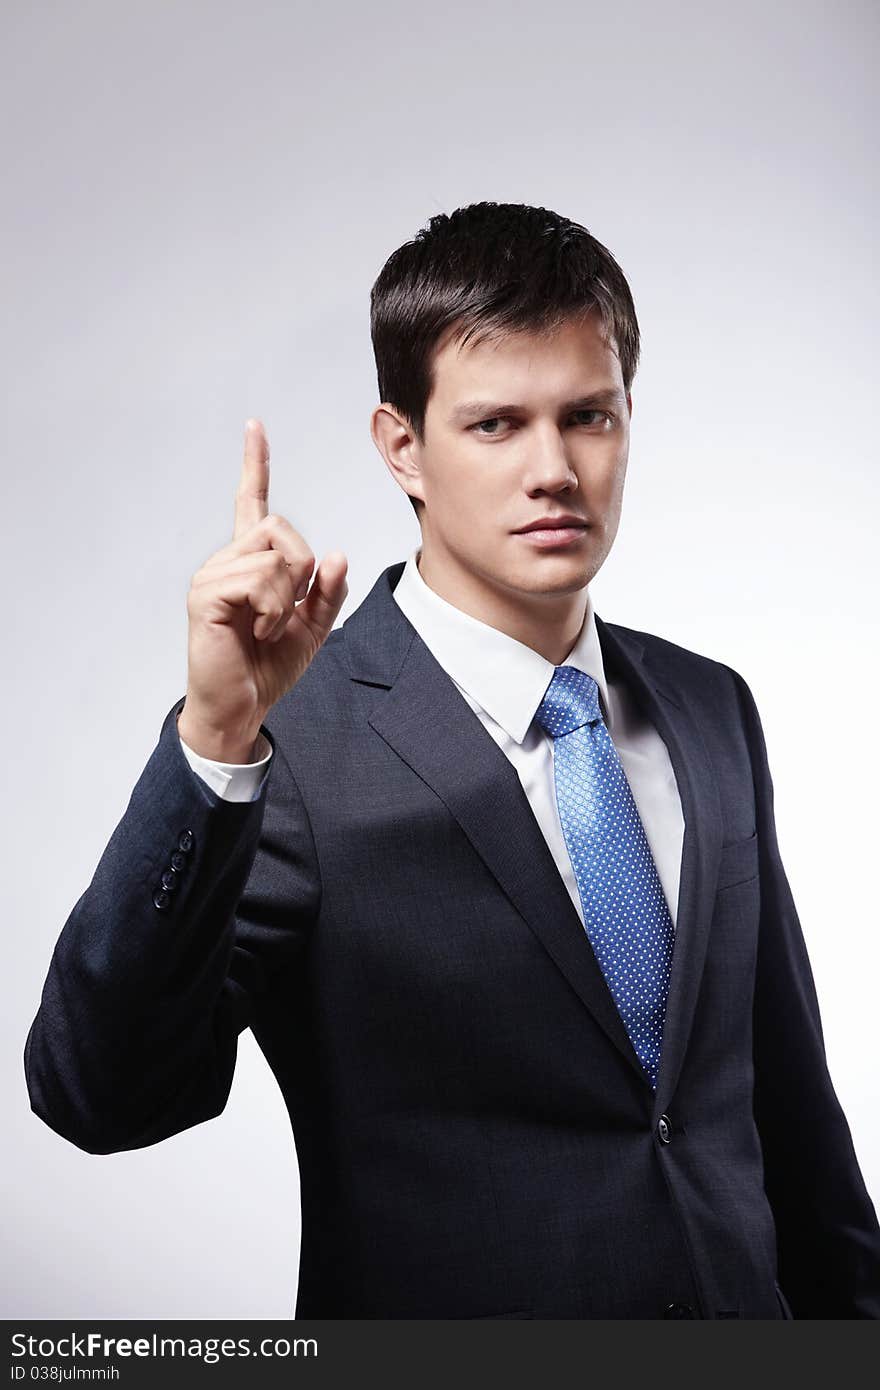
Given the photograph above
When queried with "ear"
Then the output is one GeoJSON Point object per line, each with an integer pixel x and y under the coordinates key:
{"type": "Point", "coordinates": [393, 436]}
{"type": "Point", "coordinates": [629, 403]}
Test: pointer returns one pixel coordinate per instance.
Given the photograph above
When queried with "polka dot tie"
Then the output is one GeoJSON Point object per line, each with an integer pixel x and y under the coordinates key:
{"type": "Point", "coordinates": [625, 912]}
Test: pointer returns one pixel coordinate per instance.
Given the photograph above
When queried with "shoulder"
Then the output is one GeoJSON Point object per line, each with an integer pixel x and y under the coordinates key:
{"type": "Point", "coordinates": [671, 656]}
{"type": "Point", "coordinates": [697, 678]}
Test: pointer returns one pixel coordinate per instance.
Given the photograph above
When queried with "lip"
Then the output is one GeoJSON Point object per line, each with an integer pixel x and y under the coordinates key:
{"type": "Point", "coordinates": [551, 533]}
{"type": "Point", "coordinates": [553, 537]}
{"type": "Point", "coordinates": [548, 523]}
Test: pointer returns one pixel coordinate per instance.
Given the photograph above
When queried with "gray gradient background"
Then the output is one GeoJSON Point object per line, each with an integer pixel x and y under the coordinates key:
{"type": "Point", "coordinates": [196, 201]}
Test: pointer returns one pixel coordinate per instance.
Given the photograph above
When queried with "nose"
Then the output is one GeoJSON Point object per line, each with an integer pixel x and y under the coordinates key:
{"type": "Point", "coordinates": [548, 468]}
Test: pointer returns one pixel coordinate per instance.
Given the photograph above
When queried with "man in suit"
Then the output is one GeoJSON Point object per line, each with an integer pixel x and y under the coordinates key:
{"type": "Point", "coordinates": [494, 882]}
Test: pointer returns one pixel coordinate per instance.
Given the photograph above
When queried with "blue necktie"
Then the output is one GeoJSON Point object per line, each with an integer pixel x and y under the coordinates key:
{"type": "Point", "coordinates": [625, 912]}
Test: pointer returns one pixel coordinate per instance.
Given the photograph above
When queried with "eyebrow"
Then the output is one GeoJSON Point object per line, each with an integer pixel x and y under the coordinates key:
{"type": "Point", "coordinates": [478, 410]}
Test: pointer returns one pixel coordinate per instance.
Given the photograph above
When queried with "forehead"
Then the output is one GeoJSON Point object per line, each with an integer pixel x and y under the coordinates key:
{"type": "Point", "coordinates": [567, 359]}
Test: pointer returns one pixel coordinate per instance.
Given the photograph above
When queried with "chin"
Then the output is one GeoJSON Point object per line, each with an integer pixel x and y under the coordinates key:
{"type": "Point", "coordinates": [567, 581]}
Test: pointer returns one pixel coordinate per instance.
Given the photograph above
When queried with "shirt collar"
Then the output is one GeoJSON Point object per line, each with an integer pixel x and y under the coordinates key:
{"type": "Point", "coordinates": [505, 677]}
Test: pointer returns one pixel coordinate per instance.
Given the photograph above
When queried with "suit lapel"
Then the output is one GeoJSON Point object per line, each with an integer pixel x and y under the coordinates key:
{"type": "Point", "coordinates": [665, 704]}
{"type": "Point", "coordinates": [427, 723]}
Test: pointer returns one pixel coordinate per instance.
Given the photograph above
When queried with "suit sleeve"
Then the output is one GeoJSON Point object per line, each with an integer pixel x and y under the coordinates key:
{"type": "Point", "coordinates": [149, 986]}
{"type": "Point", "coordinates": [827, 1233]}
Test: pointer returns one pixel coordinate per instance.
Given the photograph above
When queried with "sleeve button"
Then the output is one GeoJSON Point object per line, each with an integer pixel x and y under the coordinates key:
{"type": "Point", "coordinates": [161, 899]}
{"type": "Point", "coordinates": [678, 1310]}
{"type": "Point", "coordinates": [185, 841]}
{"type": "Point", "coordinates": [178, 860]}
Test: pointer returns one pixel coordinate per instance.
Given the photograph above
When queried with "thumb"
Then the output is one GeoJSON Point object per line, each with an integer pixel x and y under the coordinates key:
{"type": "Point", "coordinates": [327, 594]}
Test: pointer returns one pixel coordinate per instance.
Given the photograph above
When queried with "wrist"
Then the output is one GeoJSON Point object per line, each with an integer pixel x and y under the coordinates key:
{"type": "Point", "coordinates": [218, 745]}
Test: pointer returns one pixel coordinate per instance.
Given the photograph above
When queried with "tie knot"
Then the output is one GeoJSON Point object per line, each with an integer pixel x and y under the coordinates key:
{"type": "Point", "coordinates": [570, 701]}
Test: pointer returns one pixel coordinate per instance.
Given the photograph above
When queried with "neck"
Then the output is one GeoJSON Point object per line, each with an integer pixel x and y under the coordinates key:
{"type": "Point", "coordinates": [549, 623]}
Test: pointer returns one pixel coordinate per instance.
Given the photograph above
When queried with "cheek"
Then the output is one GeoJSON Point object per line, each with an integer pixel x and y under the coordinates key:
{"type": "Point", "coordinates": [469, 485]}
{"type": "Point", "coordinates": [454, 476]}
{"type": "Point", "coordinates": [606, 483]}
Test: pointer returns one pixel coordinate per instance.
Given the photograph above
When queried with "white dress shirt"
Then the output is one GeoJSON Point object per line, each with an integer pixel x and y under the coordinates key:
{"type": "Point", "coordinates": [504, 681]}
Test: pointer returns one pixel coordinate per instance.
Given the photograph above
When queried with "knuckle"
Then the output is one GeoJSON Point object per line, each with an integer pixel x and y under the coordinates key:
{"type": "Point", "coordinates": [283, 526]}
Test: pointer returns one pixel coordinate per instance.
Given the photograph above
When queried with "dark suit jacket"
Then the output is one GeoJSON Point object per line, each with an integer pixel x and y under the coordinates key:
{"type": "Point", "coordinates": [475, 1134]}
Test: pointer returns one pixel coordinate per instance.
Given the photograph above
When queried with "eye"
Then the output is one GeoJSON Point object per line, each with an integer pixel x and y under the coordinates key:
{"type": "Point", "coordinates": [478, 428]}
{"type": "Point", "coordinates": [603, 413]}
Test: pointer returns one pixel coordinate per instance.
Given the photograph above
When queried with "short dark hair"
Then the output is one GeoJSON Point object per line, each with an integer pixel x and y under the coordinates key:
{"type": "Point", "coordinates": [490, 269]}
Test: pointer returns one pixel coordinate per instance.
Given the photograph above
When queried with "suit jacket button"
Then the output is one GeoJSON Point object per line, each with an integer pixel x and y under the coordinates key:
{"type": "Point", "coordinates": [664, 1130]}
{"type": "Point", "coordinates": [185, 841]}
{"type": "Point", "coordinates": [678, 1310]}
{"type": "Point", "coordinates": [161, 899]}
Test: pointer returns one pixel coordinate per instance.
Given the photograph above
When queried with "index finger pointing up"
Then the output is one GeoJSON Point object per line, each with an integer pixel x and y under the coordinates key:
{"type": "Point", "coordinates": [252, 497]}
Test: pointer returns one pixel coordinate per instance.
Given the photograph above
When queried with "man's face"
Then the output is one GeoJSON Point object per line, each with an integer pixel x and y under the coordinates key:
{"type": "Point", "coordinates": [515, 431]}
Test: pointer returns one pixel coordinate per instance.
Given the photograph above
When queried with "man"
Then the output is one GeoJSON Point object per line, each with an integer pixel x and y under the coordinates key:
{"type": "Point", "coordinates": [494, 882]}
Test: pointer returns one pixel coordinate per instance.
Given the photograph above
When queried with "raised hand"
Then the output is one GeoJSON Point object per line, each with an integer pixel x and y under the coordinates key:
{"type": "Point", "coordinates": [254, 622]}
